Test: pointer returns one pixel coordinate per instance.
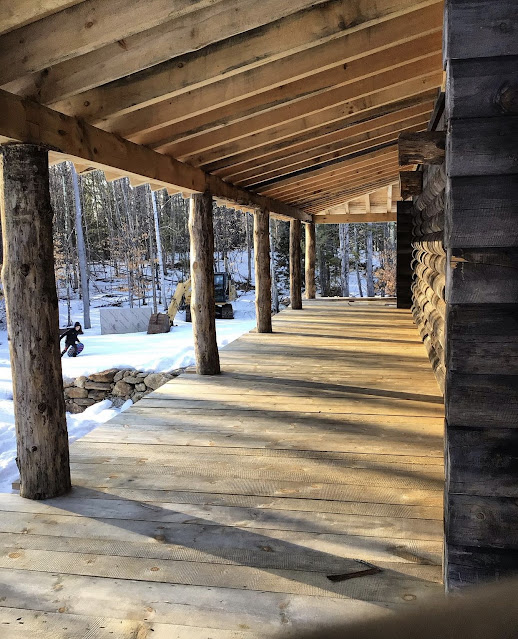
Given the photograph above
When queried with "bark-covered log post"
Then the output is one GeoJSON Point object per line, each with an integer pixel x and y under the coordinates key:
{"type": "Point", "coordinates": [311, 288]}
{"type": "Point", "coordinates": [33, 322]}
{"type": "Point", "coordinates": [295, 265]}
{"type": "Point", "coordinates": [263, 281]}
{"type": "Point", "coordinates": [203, 306]}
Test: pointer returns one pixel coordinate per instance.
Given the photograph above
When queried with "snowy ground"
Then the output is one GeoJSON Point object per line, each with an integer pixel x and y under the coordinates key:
{"type": "Point", "coordinates": [163, 352]}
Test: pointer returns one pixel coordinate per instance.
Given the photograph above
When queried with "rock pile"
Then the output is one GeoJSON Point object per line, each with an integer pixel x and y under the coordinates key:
{"type": "Point", "coordinates": [117, 385]}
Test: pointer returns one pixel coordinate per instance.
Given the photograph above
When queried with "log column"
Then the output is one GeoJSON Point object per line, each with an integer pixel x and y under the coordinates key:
{"type": "Point", "coordinates": [295, 265]}
{"type": "Point", "coordinates": [404, 255]}
{"type": "Point", "coordinates": [203, 306]}
{"type": "Point", "coordinates": [311, 288]}
{"type": "Point", "coordinates": [33, 322]}
{"type": "Point", "coordinates": [481, 240]}
{"type": "Point", "coordinates": [263, 280]}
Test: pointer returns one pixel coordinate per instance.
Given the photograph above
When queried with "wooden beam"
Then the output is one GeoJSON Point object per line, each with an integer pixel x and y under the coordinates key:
{"type": "Point", "coordinates": [426, 147]}
{"type": "Point", "coordinates": [336, 174]}
{"type": "Point", "coordinates": [318, 205]}
{"type": "Point", "coordinates": [17, 13]}
{"type": "Point", "coordinates": [411, 89]}
{"type": "Point", "coordinates": [33, 322]}
{"type": "Point", "coordinates": [351, 141]}
{"type": "Point", "coordinates": [82, 28]}
{"type": "Point", "coordinates": [203, 304]}
{"type": "Point", "coordinates": [246, 161]}
{"type": "Point", "coordinates": [295, 265]}
{"type": "Point", "coordinates": [309, 262]}
{"type": "Point", "coordinates": [340, 182]}
{"type": "Point", "coordinates": [410, 183]}
{"type": "Point", "coordinates": [367, 203]}
{"type": "Point", "coordinates": [26, 121]}
{"type": "Point", "coordinates": [142, 49]}
{"type": "Point", "coordinates": [339, 188]}
{"type": "Point", "coordinates": [292, 49]}
{"type": "Point", "coordinates": [362, 77]}
{"type": "Point", "coordinates": [353, 218]}
{"type": "Point", "coordinates": [263, 282]}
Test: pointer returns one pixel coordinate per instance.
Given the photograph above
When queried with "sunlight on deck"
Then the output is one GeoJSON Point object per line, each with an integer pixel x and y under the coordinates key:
{"type": "Point", "coordinates": [240, 503]}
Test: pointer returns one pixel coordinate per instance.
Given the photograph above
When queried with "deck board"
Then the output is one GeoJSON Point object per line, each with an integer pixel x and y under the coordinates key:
{"type": "Point", "coordinates": [218, 506]}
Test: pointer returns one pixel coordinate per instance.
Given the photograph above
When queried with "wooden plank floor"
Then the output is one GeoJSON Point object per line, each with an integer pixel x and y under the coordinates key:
{"type": "Point", "coordinates": [234, 506]}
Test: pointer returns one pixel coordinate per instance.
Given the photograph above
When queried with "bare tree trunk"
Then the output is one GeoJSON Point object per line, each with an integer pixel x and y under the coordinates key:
{"type": "Point", "coordinates": [33, 322]}
{"type": "Point", "coordinates": [324, 283]}
{"type": "Point", "coordinates": [343, 231]}
{"type": "Point", "coordinates": [263, 283]}
{"type": "Point", "coordinates": [358, 276]}
{"type": "Point", "coordinates": [310, 261]}
{"type": "Point", "coordinates": [249, 250]}
{"type": "Point", "coordinates": [275, 291]}
{"type": "Point", "coordinates": [81, 251]}
{"type": "Point", "coordinates": [370, 279]}
{"type": "Point", "coordinates": [67, 232]}
{"type": "Point", "coordinates": [159, 251]}
{"type": "Point", "coordinates": [203, 306]}
{"type": "Point", "coordinates": [295, 265]}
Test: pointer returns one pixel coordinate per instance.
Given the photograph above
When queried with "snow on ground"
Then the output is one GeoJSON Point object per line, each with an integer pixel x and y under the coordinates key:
{"type": "Point", "coordinates": [153, 353]}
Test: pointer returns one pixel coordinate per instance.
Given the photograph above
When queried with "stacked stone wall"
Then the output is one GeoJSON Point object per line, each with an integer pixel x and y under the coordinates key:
{"type": "Point", "coordinates": [117, 385]}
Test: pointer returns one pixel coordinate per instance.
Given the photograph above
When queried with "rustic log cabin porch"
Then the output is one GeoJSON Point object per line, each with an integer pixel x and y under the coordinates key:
{"type": "Point", "coordinates": [300, 488]}
{"type": "Point", "coordinates": [315, 443]}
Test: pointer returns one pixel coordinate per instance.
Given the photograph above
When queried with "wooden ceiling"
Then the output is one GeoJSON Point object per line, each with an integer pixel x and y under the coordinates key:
{"type": "Point", "coordinates": [300, 101]}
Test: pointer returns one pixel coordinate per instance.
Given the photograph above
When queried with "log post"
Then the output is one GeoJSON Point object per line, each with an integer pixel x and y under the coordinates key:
{"type": "Point", "coordinates": [203, 306]}
{"type": "Point", "coordinates": [33, 322]}
{"type": "Point", "coordinates": [311, 288]}
{"type": "Point", "coordinates": [404, 255]}
{"type": "Point", "coordinates": [481, 241]}
{"type": "Point", "coordinates": [263, 280]}
{"type": "Point", "coordinates": [295, 265]}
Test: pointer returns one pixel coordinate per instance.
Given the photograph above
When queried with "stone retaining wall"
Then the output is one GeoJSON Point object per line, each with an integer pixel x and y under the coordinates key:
{"type": "Point", "coordinates": [117, 385]}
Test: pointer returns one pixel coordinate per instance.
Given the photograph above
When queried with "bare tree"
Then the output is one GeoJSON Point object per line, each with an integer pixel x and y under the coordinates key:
{"type": "Point", "coordinates": [343, 231]}
{"type": "Point", "coordinates": [159, 250]}
{"type": "Point", "coordinates": [275, 290]}
{"type": "Point", "coordinates": [370, 279]}
{"type": "Point", "coordinates": [81, 251]}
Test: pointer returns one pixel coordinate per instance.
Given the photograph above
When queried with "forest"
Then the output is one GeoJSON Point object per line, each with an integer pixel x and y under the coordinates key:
{"type": "Point", "coordinates": [130, 246]}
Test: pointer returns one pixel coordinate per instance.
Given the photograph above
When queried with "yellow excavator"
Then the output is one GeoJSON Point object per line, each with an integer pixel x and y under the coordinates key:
{"type": "Point", "coordinates": [224, 294]}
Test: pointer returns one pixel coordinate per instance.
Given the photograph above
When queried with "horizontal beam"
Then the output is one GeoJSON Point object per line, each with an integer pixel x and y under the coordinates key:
{"type": "Point", "coordinates": [17, 13]}
{"type": "Point", "coordinates": [26, 121]}
{"type": "Point", "coordinates": [143, 48]}
{"type": "Point", "coordinates": [331, 180]}
{"type": "Point", "coordinates": [309, 97]}
{"type": "Point", "coordinates": [332, 153]}
{"type": "Point", "coordinates": [280, 40]}
{"type": "Point", "coordinates": [362, 159]}
{"type": "Point", "coordinates": [83, 28]}
{"type": "Point", "coordinates": [322, 144]}
{"type": "Point", "coordinates": [327, 201]}
{"type": "Point", "coordinates": [426, 147]}
{"type": "Point", "coordinates": [362, 111]}
{"type": "Point", "coordinates": [345, 218]}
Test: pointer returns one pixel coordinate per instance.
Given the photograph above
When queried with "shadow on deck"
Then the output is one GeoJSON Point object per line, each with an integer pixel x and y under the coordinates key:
{"type": "Point", "coordinates": [247, 503]}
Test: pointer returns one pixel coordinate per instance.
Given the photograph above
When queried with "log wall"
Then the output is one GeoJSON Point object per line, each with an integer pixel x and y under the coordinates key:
{"type": "Point", "coordinates": [481, 395]}
{"type": "Point", "coordinates": [429, 267]}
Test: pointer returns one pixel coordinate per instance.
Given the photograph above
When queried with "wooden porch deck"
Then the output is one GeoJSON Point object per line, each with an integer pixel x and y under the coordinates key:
{"type": "Point", "coordinates": [220, 506]}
